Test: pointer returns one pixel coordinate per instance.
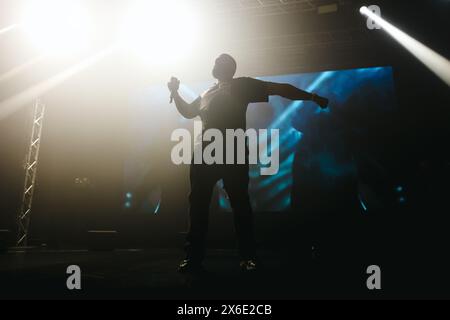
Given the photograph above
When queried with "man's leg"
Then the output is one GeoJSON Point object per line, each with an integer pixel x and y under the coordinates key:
{"type": "Point", "coordinates": [236, 184]}
{"type": "Point", "coordinates": [202, 184]}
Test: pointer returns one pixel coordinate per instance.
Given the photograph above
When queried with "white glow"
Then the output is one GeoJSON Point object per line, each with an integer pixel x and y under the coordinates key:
{"type": "Point", "coordinates": [21, 68]}
{"type": "Point", "coordinates": [7, 29]}
{"type": "Point", "coordinates": [56, 26]}
{"type": "Point", "coordinates": [435, 62]}
{"type": "Point", "coordinates": [161, 32]}
{"type": "Point", "coordinates": [14, 103]}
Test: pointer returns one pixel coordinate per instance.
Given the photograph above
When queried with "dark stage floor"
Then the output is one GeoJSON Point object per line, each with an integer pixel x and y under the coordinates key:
{"type": "Point", "coordinates": [151, 274]}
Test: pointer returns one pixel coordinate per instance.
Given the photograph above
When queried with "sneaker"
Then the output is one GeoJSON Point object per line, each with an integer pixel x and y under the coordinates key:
{"type": "Point", "coordinates": [190, 267]}
{"type": "Point", "coordinates": [248, 266]}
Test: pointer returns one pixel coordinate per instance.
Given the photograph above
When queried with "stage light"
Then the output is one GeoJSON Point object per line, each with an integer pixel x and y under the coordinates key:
{"type": "Point", "coordinates": [56, 26]}
{"type": "Point", "coordinates": [161, 32]}
{"type": "Point", "coordinates": [435, 62]}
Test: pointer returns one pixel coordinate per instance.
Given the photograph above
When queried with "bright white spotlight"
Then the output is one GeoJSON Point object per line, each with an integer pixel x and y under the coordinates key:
{"type": "Point", "coordinates": [435, 62]}
{"type": "Point", "coordinates": [161, 32]}
{"type": "Point", "coordinates": [56, 26]}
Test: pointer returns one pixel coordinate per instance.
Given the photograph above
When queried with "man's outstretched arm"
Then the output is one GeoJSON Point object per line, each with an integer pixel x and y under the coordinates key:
{"type": "Point", "coordinates": [187, 110]}
{"type": "Point", "coordinates": [293, 93]}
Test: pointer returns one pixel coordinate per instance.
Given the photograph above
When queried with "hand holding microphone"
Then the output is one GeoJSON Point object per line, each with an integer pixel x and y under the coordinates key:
{"type": "Point", "coordinates": [174, 86]}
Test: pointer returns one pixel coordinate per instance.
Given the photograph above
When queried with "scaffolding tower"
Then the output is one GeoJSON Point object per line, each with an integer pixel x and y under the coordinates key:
{"type": "Point", "coordinates": [31, 166]}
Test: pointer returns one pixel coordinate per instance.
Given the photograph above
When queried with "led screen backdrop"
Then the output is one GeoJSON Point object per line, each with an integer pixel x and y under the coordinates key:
{"type": "Point", "coordinates": [315, 145]}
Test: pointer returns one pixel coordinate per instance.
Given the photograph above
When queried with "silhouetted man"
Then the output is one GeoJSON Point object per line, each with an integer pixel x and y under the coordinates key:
{"type": "Point", "coordinates": [223, 107]}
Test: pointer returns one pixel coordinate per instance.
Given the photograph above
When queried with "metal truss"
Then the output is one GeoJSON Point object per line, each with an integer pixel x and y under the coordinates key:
{"type": "Point", "coordinates": [268, 7]}
{"type": "Point", "coordinates": [293, 45]}
{"type": "Point", "coordinates": [302, 40]}
{"type": "Point", "coordinates": [31, 166]}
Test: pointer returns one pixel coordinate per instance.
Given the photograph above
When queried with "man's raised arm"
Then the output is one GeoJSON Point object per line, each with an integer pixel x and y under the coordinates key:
{"type": "Point", "coordinates": [187, 110]}
{"type": "Point", "coordinates": [293, 93]}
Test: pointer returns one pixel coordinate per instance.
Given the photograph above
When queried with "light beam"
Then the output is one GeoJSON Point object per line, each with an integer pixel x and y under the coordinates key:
{"type": "Point", "coordinates": [7, 29]}
{"type": "Point", "coordinates": [438, 64]}
{"type": "Point", "coordinates": [11, 105]}
{"type": "Point", "coordinates": [19, 69]}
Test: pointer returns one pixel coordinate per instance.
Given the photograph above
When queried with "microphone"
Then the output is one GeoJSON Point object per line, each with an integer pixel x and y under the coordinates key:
{"type": "Point", "coordinates": [174, 85]}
